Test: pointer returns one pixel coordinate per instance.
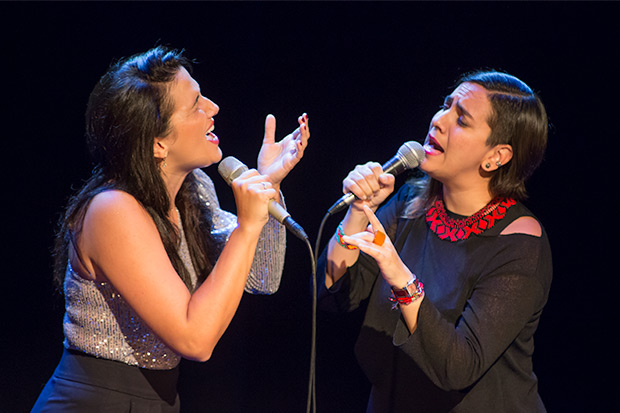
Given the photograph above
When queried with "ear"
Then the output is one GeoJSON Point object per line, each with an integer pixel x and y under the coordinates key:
{"type": "Point", "coordinates": [160, 148]}
{"type": "Point", "coordinates": [497, 157]}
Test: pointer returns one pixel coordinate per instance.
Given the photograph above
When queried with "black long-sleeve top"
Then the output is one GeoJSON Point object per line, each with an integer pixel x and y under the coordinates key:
{"type": "Point", "coordinates": [472, 349]}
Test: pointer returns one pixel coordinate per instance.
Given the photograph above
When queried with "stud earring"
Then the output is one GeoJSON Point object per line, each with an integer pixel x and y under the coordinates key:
{"type": "Point", "coordinates": [499, 164]}
{"type": "Point", "coordinates": [488, 165]}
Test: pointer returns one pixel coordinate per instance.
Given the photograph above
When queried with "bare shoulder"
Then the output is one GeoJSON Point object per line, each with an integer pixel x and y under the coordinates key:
{"type": "Point", "coordinates": [115, 228]}
{"type": "Point", "coordinates": [116, 206]}
{"type": "Point", "coordinates": [114, 200]}
{"type": "Point", "coordinates": [524, 225]}
{"type": "Point", "coordinates": [115, 220]}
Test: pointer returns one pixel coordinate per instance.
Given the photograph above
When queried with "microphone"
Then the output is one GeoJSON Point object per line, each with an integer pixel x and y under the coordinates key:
{"type": "Point", "coordinates": [409, 155]}
{"type": "Point", "coordinates": [230, 168]}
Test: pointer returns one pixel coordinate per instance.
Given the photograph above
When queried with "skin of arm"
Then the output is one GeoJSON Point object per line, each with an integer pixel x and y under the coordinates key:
{"type": "Point", "coordinates": [120, 244]}
{"type": "Point", "coordinates": [371, 187]}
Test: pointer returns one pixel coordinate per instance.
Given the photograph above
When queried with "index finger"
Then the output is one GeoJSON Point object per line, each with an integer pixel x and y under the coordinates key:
{"type": "Point", "coordinates": [372, 218]}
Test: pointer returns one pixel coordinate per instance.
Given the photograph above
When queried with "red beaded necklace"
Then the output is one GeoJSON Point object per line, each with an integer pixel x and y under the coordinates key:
{"type": "Point", "coordinates": [454, 230]}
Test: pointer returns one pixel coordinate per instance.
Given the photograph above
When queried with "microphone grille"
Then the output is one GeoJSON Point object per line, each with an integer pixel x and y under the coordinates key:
{"type": "Point", "coordinates": [412, 154]}
{"type": "Point", "coordinates": [230, 168]}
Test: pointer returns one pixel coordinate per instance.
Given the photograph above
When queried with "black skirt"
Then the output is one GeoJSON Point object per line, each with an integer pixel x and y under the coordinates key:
{"type": "Point", "coordinates": [82, 383]}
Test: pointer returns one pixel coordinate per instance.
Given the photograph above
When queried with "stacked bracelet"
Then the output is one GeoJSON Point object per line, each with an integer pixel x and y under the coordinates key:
{"type": "Point", "coordinates": [339, 235]}
{"type": "Point", "coordinates": [404, 295]}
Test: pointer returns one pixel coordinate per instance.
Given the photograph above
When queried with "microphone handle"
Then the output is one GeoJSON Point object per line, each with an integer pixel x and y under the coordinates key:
{"type": "Point", "coordinates": [282, 215]}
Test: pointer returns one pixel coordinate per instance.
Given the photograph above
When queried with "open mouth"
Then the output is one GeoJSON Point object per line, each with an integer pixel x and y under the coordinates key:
{"type": "Point", "coordinates": [432, 146]}
{"type": "Point", "coordinates": [212, 137]}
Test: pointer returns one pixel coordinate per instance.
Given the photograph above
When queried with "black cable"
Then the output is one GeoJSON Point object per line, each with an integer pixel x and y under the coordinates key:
{"type": "Point", "coordinates": [312, 378]}
{"type": "Point", "coordinates": [312, 375]}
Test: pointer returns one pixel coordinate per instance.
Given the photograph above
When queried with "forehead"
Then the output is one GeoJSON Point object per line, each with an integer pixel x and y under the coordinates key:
{"type": "Point", "coordinates": [474, 99]}
{"type": "Point", "coordinates": [184, 89]}
{"type": "Point", "coordinates": [471, 92]}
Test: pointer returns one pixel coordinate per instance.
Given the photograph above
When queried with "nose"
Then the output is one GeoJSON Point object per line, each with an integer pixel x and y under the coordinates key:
{"type": "Point", "coordinates": [211, 108]}
{"type": "Point", "coordinates": [438, 121]}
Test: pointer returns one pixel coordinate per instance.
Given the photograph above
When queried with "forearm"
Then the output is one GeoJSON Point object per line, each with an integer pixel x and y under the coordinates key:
{"type": "Point", "coordinates": [340, 258]}
{"type": "Point", "coordinates": [214, 303]}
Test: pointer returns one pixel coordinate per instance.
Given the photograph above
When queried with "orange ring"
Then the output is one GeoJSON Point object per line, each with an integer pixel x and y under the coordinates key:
{"type": "Point", "coordinates": [379, 238]}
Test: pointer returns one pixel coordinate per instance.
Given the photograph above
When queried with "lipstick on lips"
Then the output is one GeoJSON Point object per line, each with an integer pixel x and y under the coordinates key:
{"type": "Point", "coordinates": [432, 147]}
{"type": "Point", "coordinates": [212, 137]}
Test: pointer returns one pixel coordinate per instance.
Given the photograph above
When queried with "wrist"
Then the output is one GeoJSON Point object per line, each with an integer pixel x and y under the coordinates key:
{"type": "Point", "coordinates": [354, 221]}
{"type": "Point", "coordinates": [249, 230]}
{"type": "Point", "coordinates": [407, 294]}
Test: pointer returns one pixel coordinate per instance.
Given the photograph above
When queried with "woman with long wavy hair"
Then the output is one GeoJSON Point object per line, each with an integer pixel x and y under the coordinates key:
{"type": "Point", "coordinates": [151, 268]}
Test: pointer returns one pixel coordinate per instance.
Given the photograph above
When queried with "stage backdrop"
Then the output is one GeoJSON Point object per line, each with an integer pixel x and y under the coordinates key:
{"type": "Point", "coordinates": [370, 76]}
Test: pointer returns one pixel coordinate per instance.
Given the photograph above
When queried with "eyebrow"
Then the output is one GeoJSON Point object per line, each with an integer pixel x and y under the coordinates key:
{"type": "Point", "coordinates": [463, 110]}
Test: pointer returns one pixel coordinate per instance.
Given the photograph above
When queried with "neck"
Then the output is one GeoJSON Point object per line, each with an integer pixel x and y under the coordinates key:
{"type": "Point", "coordinates": [173, 183]}
{"type": "Point", "coordinates": [466, 201]}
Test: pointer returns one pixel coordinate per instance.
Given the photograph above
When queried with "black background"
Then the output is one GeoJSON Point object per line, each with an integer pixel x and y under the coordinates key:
{"type": "Point", "coordinates": [370, 75]}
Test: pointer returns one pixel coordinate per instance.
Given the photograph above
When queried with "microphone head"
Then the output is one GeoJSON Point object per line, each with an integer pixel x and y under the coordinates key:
{"type": "Point", "coordinates": [230, 168]}
{"type": "Point", "coordinates": [412, 154]}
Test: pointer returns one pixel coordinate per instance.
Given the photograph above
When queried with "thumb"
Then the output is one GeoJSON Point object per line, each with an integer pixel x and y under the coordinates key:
{"type": "Point", "coordinates": [387, 179]}
{"type": "Point", "coordinates": [270, 129]}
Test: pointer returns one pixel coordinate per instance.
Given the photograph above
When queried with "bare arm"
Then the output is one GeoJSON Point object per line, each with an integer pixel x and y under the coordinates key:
{"type": "Point", "coordinates": [121, 244]}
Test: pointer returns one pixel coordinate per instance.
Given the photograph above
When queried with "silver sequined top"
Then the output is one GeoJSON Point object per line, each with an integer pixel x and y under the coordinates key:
{"type": "Point", "coordinates": [99, 322]}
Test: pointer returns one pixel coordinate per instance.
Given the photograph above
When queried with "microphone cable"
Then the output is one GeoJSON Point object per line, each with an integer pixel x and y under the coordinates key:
{"type": "Point", "coordinates": [315, 256]}
{"type": "Point", "coordinates": [311, 400]}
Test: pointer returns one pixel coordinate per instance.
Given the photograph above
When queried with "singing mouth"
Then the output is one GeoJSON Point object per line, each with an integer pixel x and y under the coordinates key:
{"type": "Point", "coordinates": [212, 137]}
{"type": "Point", "coordinates": [432, 146]}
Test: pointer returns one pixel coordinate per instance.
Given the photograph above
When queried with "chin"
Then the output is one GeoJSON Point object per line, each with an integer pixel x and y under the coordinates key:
{"type": "Point", "coordinates": [215, 158]}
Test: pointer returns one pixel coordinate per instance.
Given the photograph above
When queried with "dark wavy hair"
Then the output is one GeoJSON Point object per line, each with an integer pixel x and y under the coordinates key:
{"type": "Point", "coordinates": [127, 109]}
{"type": "Point", "coordinates": [518, 118]}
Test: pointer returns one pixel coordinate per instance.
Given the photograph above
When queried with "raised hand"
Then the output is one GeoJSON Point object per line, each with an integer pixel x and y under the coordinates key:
{"type": "Point", "coordinates": [277, 159]}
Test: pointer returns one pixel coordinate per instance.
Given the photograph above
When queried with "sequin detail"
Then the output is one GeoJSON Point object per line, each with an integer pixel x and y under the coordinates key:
{"type": "Point", "coordinates": [99, 322]}
{"type": "Point", "coordinates": [266, 271]}
{"type": "Point", "coordinates": [453, 230]}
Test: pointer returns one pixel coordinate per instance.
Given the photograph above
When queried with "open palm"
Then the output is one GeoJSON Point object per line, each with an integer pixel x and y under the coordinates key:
{"type": "Point", "coordinates": [277, 159]}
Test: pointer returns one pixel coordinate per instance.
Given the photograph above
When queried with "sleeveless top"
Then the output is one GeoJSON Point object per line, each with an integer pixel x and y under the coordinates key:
{"type": "Point", "coordinates": [100, 323]}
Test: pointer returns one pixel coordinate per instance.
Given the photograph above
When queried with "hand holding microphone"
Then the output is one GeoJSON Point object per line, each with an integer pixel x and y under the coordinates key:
{"type": "Point", "coordinates": [364, 179]}
{"type": "Point", "coordinates": [230, 168]}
